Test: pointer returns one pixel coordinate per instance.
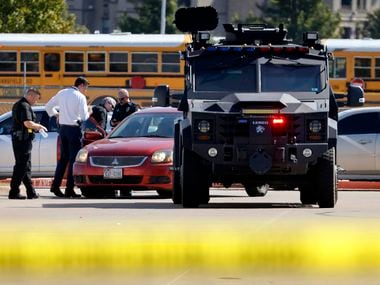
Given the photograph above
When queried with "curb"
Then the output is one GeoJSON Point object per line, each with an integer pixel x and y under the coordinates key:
{"type": "Point", "coordinates": [37, 182]}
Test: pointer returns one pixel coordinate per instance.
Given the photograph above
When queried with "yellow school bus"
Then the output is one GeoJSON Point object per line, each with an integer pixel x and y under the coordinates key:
{"type": "Point", "coordinates": [51, 62]}
{"type": "Point", "coordinates": [355, 61]}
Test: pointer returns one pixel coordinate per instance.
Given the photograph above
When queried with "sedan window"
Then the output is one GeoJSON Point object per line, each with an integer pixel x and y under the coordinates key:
{"type": "Point", "coordinates": [6, 127]}
{"type": "Point", "coordinates": [147, 125]}
{"type": "Point", "coordinates": [366, 123]}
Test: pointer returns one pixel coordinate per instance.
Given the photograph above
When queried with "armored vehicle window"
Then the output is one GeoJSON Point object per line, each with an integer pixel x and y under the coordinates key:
{"type": "Point", "coordinates": [296, 78]}
{"type": "Point", "coordinates": [225, 75]}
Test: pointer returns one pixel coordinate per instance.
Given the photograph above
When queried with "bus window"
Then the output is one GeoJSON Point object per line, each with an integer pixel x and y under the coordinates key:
{"type": "Point", "coordinates": [74, 61]}
{"type": "Point", "coordinates": [338, 67]}
{"type": "Point", "coordinates": [52, 62]}
{"type": "Point", "coordinates": [8, 61]}
{"type": "Point", "coordinates": [377, 67]}
{"type": "Point", "coordinates": [118, 62]}
{"type": "Point", "coordinates": [170, 62]}
{"type": "Point", "coordinates": [96, 61]}
{"type": "Point", "coordinates": [362, 67]}
{"type": "Point", "coordinates": [144, 62]}
{"type": "Point", "coordinates": [31, 59]}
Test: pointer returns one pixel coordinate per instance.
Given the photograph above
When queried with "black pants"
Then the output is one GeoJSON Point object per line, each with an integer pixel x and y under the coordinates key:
{"type": "Point", "coordinates": [22, 151]}
{"type": "Point", "coordinates": [70, 145]}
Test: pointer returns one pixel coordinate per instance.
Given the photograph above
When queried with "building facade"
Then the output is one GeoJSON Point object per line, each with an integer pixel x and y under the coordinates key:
{"type": "Point", "coordinates": [103, 15]}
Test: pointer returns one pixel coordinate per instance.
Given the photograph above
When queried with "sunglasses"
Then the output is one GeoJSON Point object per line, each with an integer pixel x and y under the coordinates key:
{"type": "Point", "coordinates": [123, 98]}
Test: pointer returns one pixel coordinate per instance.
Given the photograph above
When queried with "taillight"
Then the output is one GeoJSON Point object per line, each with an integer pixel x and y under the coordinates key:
{"type": "Point", "coordinates": [279, 125]}
{"type": "Point", "coordinates": [278, 121]}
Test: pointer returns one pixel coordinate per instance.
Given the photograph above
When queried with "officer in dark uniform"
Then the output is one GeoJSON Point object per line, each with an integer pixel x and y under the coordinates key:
{"type": "Point", "coordinates": [123, 109]}
{"type": "Point", "coordinates": [22, 135]}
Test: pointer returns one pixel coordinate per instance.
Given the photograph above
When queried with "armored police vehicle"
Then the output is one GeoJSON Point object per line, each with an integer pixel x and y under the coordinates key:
{"type": "Point", "coordinates": [257, 110]}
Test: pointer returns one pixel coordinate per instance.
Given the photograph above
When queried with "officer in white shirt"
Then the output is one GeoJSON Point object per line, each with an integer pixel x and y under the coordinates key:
{"type": "Point", "coordinates": [73, 110]}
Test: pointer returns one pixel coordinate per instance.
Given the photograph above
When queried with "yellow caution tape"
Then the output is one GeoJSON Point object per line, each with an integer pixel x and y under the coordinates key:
{"type": "Point", "coordinates": [244, 248]}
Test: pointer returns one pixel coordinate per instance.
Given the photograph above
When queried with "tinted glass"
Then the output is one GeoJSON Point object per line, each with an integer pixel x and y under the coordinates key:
{"type": "Point", "coordinates": [8, 61]}
{"type": "Point", "coordinates": [144, 62]}
{"type": "Point", "coordinates": [296, 78]}
{"type": "Point", "coordinates": [30, 60]}
{"type": "Point", "coordinates": [366, 123]}
{"type": "Point", "coordinates": [74, 62]}
{"type": "Point", "coordinates": [170, 62]}
{"type": "Point", "coordinates": [118, 62]}
{"type": "Point", "coordinates": [52, 61]}
{"type": "Point", "coordinates": [147, 125]}
{"type": "Point", "coordinates": [225, 74]}
{"type": "Point", "coordinates": [6, 127]}
{"type": "Point", "coordinates": [363, 67]}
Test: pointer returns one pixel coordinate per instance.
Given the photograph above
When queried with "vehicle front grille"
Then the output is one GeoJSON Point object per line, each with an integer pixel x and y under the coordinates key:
{"type": "Point", "coordinates": [234, 129]}
{"type": "Point", "coordinates": [117, 161]}
{"type": "Point", "coordinates": [129, 179]}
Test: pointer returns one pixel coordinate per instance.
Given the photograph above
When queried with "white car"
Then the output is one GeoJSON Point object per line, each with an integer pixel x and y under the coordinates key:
{"type": "Point", "coordinates": [358, 150]}
{"type": "Point", "coordinates": [44, 152]}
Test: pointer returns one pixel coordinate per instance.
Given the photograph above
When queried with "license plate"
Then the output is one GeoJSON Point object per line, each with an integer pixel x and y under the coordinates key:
{"type": "Point", "coordinates": [113, 173]}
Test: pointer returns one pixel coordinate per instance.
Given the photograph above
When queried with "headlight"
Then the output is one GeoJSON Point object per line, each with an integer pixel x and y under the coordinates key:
{"type": "Point", "coordinates": [162, 156]}
{"type": "Point", "coordinates": [315, 126]}
{"type": "Point", "coordinates": [203, 126]}
{"type": "Point", "coordinates": [82, 155]}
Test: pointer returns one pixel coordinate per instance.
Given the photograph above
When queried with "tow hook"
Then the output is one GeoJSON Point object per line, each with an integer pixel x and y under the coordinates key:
{"type": "Point", "coordinates": [293, 158]}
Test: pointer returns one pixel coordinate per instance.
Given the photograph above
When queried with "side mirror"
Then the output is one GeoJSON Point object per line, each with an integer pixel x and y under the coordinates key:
{"type": "Point", "coordinates": [161, 96]}
{"type": "Point", "coordinates": [175, 98]}
{"type": "Point", "coordinates": [355, 96]}
{"type": "Point", "coordinates": [91, 136]}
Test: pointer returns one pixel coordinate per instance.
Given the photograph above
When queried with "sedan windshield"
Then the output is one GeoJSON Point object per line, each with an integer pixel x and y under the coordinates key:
{"type": "Point", "coordinates": [147, 125]}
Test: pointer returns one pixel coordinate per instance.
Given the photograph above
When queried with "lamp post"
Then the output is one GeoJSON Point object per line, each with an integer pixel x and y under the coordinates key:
{"type": "Point", "coordinates": [163, 16]}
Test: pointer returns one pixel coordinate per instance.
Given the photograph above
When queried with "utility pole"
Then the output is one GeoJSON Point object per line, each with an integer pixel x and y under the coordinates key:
{"type": "Point", "coordinates": [163, 17]}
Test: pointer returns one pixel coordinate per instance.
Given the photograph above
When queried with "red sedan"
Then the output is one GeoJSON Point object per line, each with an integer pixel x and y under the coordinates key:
{"type": "Point", "coordinates": [137, 155]}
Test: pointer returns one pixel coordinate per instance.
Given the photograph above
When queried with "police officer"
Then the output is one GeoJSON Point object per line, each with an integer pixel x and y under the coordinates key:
{"type": "Point", "coordinates": [124, 108]}
{"type": "Point", "coordinates": [23, 129]}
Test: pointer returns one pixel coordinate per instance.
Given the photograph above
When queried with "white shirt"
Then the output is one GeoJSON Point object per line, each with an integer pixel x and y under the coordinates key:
{"type": "Point", "coordinates": [72, 106]}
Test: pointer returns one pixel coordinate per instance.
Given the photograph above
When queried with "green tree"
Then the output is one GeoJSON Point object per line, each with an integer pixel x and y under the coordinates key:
{"type": "Point", "coordinates": [149, 17]}
{"type": "Point", "coordinates": [298, 16]}
{"type": "Point", "coordinates": [372, 25]}
{"type": "Point", "coordinates": [37, 16]}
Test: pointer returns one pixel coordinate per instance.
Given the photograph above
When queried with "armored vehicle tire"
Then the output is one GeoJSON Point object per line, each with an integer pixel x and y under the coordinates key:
{"type": "Point", "coordinates": [254, 190]}
{"type": "Point", "coordinates": [177, 191]}
{"type": "Point", "coordinates": [309, 190]}
{"type": "Point", "coordinates": [164, 194]}
{"type": "Point", "coordinates": [308, 194]}
{"type": "Point", "coordinates": [194, 182]}
{"type": "Point", "coordinates": [327, 180]}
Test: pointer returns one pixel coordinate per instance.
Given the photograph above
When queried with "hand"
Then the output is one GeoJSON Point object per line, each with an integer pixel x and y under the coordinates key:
{"type": "Point", "coordinates": [41, 127]}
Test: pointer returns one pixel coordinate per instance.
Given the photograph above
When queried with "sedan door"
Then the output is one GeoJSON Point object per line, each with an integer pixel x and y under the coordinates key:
{"type": "Point", "coordinates": [7, 158]}
{"type": "Point", "coordinates": [357, 143]}
{"type": "Point", "coordinates": [44, 153]}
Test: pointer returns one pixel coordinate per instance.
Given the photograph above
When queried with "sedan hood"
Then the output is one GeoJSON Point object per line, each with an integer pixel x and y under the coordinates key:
{"type": "Point", "coordinates": [129, 146]}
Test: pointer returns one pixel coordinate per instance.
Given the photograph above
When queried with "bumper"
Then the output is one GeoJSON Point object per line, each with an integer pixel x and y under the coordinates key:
{"type": "Point", "coordinates": [264, 159]}
{"type": "Point", "coordinates": [144, 177]}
